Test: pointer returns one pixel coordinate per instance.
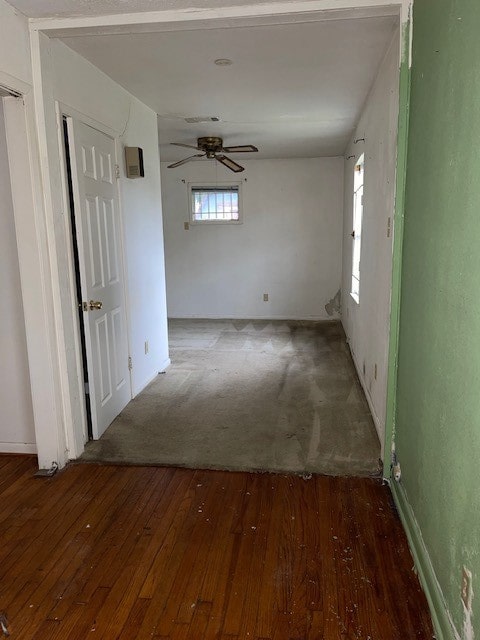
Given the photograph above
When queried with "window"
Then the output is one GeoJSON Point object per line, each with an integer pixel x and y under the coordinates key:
{"type": "Point", "coordinates": [358, 175]}
{"type": "Point", "coordinates": [217, 204]}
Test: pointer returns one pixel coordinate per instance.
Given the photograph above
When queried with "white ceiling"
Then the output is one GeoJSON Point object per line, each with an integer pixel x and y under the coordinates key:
{"type": "Point", "coordinates": [293, 90]}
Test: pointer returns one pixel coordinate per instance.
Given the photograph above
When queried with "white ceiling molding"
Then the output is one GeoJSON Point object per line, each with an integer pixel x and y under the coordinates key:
{"type": "Point", "coordinates": [181, 18]}
{"type": "Point", "coordinates": [6, 92]}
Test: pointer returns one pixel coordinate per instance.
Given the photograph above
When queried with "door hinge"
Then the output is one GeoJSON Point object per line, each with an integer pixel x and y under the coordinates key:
{"type": "Point", "coordinates": [117, 171]}
{"type": "Point", "coordinates": [130, 363]}
{"type": "Point", "coordinates": [389, 227]}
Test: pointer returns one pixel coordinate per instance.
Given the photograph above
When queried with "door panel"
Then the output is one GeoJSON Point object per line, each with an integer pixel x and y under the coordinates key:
{"type": "Point", "coordinates": [98, 232]}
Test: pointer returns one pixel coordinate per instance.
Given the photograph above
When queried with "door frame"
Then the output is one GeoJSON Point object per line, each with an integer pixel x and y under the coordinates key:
{"type": "Point", "coordinates": [65, 112]}
{"type": "Point", "coordinates": [33, 235]}
{"type": "Point", "coordinates": [65, 428]}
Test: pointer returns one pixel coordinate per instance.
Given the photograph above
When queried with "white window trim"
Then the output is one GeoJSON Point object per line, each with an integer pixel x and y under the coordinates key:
{"type": "Point", "coordinates": [355, 297]}
{"type": "Point", "coordinates": [214, 185]}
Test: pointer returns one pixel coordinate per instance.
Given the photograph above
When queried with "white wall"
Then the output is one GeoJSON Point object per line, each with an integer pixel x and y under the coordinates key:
{"type": "Point", "coordinates": [86, 93]}
{"type": "Point", "coordinates": [80, 85]}
{"type": "Point", "coordinates": [288, 246]}
{"type": "Point", "coordinates": [17, 433]}
{"type": "Point", "coordinates": [142, 205]}
{"type": "Point", "coordinates": [14, 46]}
{"type": "Point", "coordinates": [367, 324]}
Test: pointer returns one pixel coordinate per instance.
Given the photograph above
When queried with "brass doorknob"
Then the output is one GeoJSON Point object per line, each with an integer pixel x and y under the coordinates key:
{"type": "Point", "coordinates": [94, 304]}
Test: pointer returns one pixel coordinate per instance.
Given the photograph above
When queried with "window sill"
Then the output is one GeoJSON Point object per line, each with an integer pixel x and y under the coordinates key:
{"type": "Point", "coordinates": [206, 223]}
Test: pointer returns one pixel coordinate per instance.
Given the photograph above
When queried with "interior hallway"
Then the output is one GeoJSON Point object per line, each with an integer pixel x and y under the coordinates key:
{"type": "Point", "coordinates": [129, 553]}
{"type": "Point", "coordinates": [250, 395]}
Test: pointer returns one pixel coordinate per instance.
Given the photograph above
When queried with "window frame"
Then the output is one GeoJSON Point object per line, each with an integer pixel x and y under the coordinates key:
{"type": "Point", "coordinates": [191, 186]}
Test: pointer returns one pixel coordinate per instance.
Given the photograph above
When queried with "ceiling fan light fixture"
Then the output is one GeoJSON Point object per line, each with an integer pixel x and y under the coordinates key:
{"type": "Point", "coordinates": [223, 62]}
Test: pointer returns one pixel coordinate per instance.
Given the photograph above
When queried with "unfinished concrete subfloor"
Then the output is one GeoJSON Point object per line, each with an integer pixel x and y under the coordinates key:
{"type": "Point", "coordinates": [250, 395]}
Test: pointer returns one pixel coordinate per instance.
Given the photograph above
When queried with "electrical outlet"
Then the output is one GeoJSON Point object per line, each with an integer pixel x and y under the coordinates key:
{"type": "Point", "coordinates": [146, 347]}
{"type": "Point", "coordinates": [466, 593]}
{"type": "Point", "coordinates": [186, 226]}
{"type": "Point", "coordinates": [265, 297]}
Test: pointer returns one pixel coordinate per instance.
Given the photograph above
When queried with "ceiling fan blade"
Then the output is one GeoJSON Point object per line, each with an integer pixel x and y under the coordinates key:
{"type": "Point", "coordinates": [187, 146]}
{"type": "Point", "coordinates": [180, 162]}
{"type": "Point", "coordinates": [240, 149]}
{"type": "Point", "coordinates": [230, 164]}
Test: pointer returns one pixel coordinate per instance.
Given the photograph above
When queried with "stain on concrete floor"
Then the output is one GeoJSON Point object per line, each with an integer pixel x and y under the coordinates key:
{"type": "Point", "coordinates": [277, 396]}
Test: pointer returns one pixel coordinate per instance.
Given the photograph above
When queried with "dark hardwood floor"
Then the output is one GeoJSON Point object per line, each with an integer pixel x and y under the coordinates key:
{"type": "Point", "coordinates": [111, 552]}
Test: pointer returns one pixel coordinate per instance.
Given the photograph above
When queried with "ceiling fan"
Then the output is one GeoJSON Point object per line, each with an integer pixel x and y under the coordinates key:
{"type": "Point", "coordinates": [213, 149]}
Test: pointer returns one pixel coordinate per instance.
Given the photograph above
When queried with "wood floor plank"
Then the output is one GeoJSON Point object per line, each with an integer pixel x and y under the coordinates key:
{"type": "Point", "coordinates": [268, 595]}
{"type": "Point", "coordinates": [104, 566]}
{"type": "Point", "coordinates": [129, 519]}
{"type": "Point", "coordinates": [172, 554]}
{"type": "Point", "coordinates": [184, 590]}
{"type": "Point", "coordinates": [39, 537]}
{"type": "Point", "coordinates": [245, 531]}
{"type": "Point", "coordinates": [215, 580]}
{"type": "Point", "coordinates": [173, 540]}
{"type": "Point", "coordinates": [121, 573]}
{"type": "Point", "coordinates": [66, 550]}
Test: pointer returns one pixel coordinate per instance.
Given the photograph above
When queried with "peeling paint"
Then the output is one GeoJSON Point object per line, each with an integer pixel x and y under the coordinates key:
{"type": "Point", "coordinates": [334, 306]}
{"type": "Point", "coordinates": [467, 597]}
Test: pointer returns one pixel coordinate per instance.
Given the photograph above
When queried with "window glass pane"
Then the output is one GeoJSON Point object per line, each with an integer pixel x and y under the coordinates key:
{"type": "Point", "coordinates": [215, 204]}
{"type": "Point", "coordinates": [211, 202]}
{"type": "Point", "coordinates": [358, 177]}
{"type": "Point", "coordinates": [221, 206]}
{"type": "Point", "coordinates": [203, 204]}
{"type": "Point", "coordinates": [234, 206]}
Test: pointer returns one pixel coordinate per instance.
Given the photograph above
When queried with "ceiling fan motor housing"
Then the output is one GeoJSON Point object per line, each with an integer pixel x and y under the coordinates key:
{"type": "Point", "coordinates": [211, 145]}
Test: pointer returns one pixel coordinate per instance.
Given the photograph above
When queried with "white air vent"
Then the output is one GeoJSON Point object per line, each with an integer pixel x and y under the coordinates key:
{"type": "Point", "coordinates": [196, 119]}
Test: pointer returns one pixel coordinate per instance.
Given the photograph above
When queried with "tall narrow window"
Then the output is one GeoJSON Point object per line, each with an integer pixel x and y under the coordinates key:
{"type": "Point", "coordinates": [357, 226]}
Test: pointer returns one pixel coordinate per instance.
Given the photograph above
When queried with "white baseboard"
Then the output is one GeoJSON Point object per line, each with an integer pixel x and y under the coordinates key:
{"type": "Point", "coordinates": [376, 420]}
{"type": "Point", "coordinates": [270, 317]}
{"type": "Point", "coordinates": [18, 447]}
{"type": "Point", "coordinates": [164, 365]}
{"type": "Point", "coordinates": [442, 622]}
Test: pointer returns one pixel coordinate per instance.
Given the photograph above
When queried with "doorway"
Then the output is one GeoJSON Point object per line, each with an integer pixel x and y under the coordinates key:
{"type": "Point", "coordinates": [143, 341]}
{"type": "Point", "coordinates": [17, 431]}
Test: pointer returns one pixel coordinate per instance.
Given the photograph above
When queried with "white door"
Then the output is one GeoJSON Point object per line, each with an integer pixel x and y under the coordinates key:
{"type": "Point", "coordinates": [92, 156]}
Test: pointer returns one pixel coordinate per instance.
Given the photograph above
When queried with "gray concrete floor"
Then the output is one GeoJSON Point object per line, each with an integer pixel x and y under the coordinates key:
{"type": "Point", "coordinates": [250, 395]}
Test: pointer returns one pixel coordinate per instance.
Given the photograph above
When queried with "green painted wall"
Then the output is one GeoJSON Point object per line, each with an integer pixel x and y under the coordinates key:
{"type": "Point", "coordinates": [438, 392]}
